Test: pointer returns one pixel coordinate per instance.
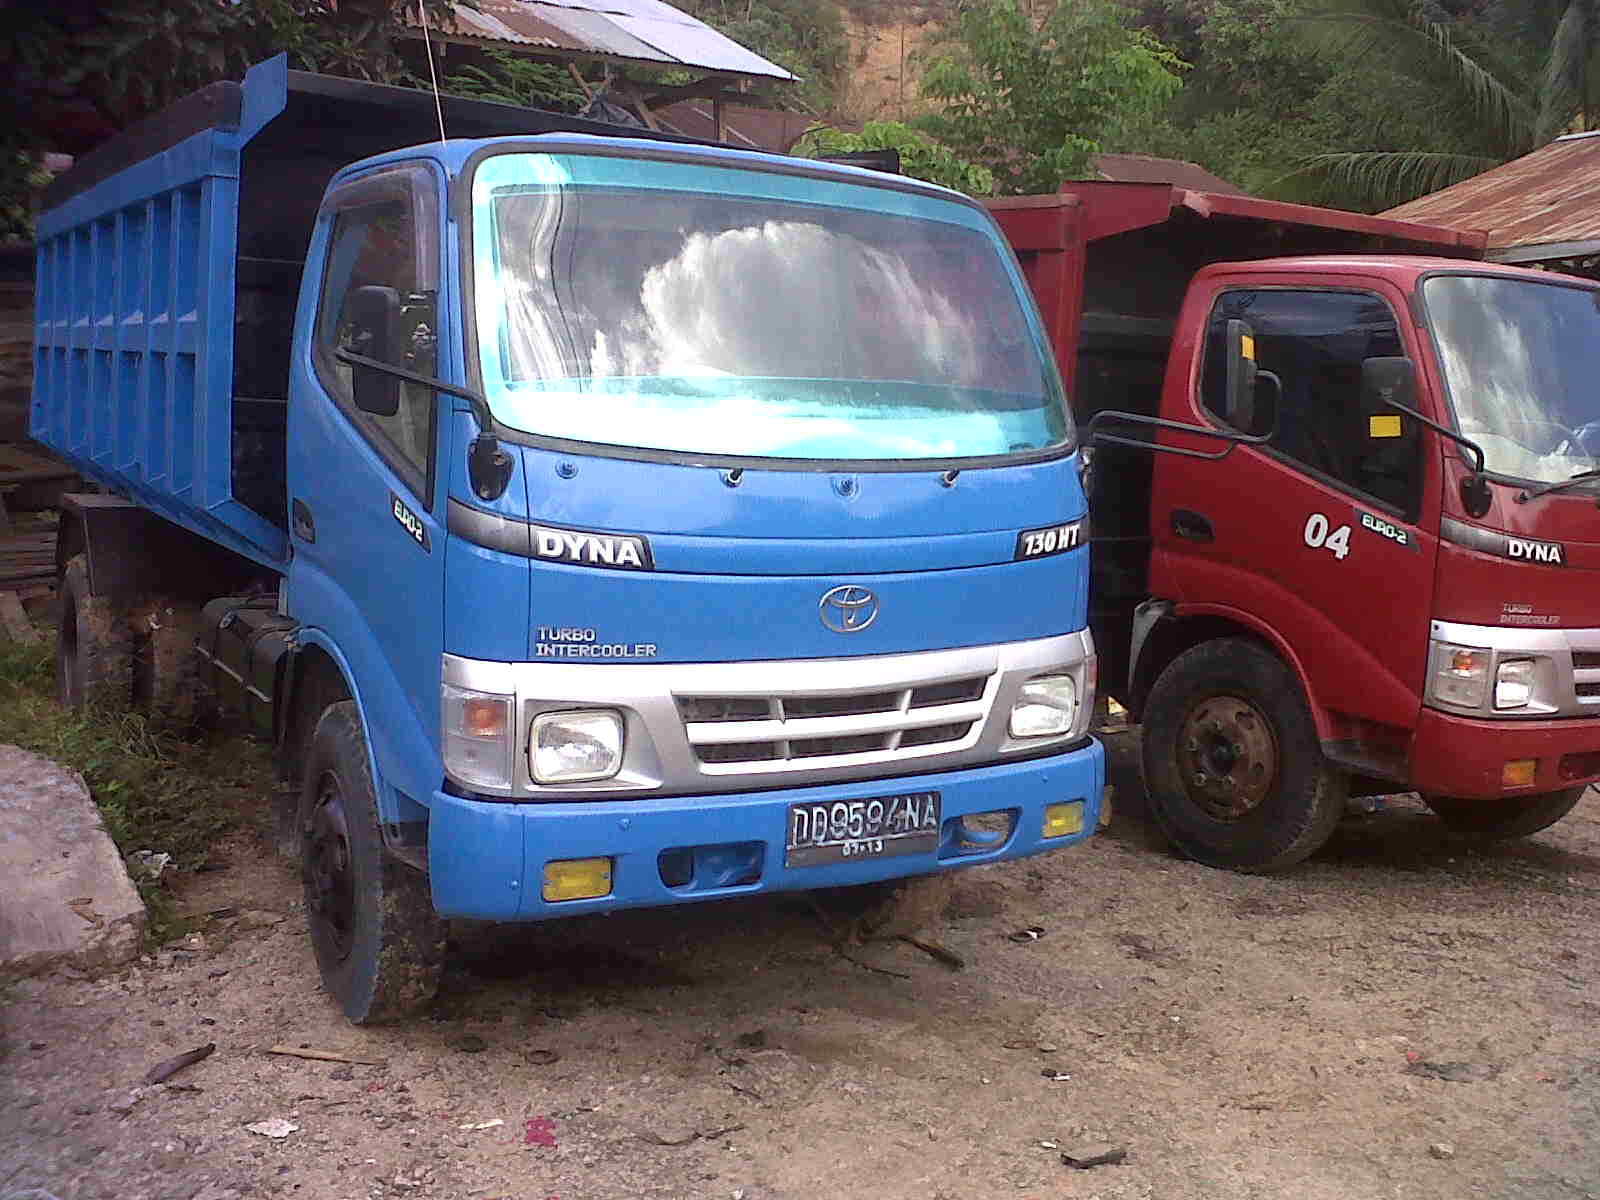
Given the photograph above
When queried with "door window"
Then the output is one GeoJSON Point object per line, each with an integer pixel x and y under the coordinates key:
{"type": "Point", "coordinates": [375, 244]}
{"type": "Point", "coordinates": [1314, 343]}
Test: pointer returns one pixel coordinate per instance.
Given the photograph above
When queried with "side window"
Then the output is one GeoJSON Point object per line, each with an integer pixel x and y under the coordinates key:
{"type": "Point", "coordinates": [373, 260]}
{"type": "Point", "coordinates": [1315, 344]}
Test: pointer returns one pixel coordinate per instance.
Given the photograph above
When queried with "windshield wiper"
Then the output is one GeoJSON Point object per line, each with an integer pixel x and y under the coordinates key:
{"type": "Point", "coordinates": [1581, 477]}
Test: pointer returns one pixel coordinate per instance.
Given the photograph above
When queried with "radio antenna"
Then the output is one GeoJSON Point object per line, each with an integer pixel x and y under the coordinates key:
{"type": "Point", "coordinates": [438, 107]}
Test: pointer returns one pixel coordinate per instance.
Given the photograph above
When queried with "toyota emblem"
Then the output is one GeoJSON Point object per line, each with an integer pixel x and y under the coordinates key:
{"type": "Point", "coordinates": [848, 609]}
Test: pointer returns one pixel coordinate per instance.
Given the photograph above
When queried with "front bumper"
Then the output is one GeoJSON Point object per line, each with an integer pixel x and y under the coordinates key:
{"type": "Point", "coordinates": [487, 859]}
{"type": "Point", "coordinates": [1464, 757]}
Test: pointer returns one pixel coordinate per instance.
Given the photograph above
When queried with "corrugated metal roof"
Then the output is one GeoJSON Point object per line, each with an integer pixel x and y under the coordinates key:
{"type": "Point", "coordinates": [1544, 205]}
{"type": "Point", "coordinates": [642, 31]}
{"type": "Point", "coordinates": [1144, 168]}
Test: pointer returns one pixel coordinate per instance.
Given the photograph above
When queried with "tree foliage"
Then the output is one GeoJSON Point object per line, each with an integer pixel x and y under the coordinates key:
{"type": "Point", "coordinates": [512, 79]}
{"type": "Point", "coordinates": [1034, 97]}
{"type": "Point", "coordinates": [1501, 76]}
{"type": "Point", "coordinates": [920, 156]}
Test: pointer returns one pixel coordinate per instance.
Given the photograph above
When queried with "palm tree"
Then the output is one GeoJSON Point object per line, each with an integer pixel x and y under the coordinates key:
{"type": "Point", "coordinates": [1506, 76]}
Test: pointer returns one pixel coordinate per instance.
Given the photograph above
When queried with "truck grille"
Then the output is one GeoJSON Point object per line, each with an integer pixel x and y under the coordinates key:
{"type": "Point", "coordinates": [743, 733]}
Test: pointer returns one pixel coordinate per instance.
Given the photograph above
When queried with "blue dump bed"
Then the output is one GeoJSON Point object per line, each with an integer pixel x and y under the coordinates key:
{"type": "Point", "coordinates": [168, 271]}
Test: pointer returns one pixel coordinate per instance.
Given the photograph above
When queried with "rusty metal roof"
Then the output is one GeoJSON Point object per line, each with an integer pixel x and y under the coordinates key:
{"type": "Point", "coordinates": [1145, 168]}
{"type": "Point", "coordinates": [1544, 205]}
{"type": "Point", "coordinates": [646, 32]}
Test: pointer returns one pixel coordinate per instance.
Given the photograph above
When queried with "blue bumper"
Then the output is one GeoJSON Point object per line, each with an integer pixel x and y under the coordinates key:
{"type": "Point", "coordinates": [487, 859]}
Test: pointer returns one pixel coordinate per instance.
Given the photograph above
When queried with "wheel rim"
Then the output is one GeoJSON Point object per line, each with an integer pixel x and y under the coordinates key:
{"type": "Point", "coordinates": [330, 870]}
{"type": "Point", "coordinates": [1228, 756]}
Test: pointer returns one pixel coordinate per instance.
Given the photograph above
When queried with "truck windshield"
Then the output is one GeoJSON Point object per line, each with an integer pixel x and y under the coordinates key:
{"type": "Point", "coordinates": [678, 307]}
{"type": "Point", "coordinates": [1521, 359]}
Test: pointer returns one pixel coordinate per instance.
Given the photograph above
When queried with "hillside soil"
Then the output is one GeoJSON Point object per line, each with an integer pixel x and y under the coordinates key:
{"type": "Point", "coordinates": [1407, 1015]}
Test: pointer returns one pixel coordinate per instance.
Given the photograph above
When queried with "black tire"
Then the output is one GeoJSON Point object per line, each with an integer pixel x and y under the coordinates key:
{"type": "Point", "coordinates": [94, 644]}
{"type": "Point", "coordinates": [1505, 818]}
{"type": "Point", "coordinates": [166, 669]}
{"type": "Point", "coordinates": [378, 942]}
{"type": "Point", "coordinates": [1232, 762]}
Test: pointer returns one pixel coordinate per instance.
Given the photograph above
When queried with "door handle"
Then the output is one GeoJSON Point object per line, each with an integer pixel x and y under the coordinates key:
{"type": "Point", "coordinates": [303, 523]}
{"type": "Point", "coordinates": [1191, 525]}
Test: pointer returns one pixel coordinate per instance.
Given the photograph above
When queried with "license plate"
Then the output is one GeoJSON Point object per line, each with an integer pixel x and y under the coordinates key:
{"type": "Point", "coordinates": [849, 830]}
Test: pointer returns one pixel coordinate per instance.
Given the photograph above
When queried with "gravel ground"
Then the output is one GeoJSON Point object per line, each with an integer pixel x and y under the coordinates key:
{"type": "Point", "coordinates": [1407, 1015]}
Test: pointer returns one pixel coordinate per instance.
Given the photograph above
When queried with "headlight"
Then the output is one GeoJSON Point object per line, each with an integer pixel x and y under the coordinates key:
{"type": "Point", "coordinates": [1513, 683]}
{"type": "Point", "coordinates": [1461, 675]}
{"type": "Point", "coordinates": [477, 737]}
{"type": "Point", "coordinates": [1045, 707]}
{"type": "Point", "coordinates": [575, 747]}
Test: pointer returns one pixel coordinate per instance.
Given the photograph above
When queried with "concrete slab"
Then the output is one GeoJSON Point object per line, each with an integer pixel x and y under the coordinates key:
{"type": "Point", "coordinates": [66, 899]}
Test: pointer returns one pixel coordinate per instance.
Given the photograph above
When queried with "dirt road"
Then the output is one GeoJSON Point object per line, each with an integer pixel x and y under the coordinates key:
{"type": "Point", "coordinates": [1404, 1016]}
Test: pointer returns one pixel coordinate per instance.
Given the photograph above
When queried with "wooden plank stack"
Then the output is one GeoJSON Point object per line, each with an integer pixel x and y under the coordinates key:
{"type": "Point", "coordinates": [30, 486]}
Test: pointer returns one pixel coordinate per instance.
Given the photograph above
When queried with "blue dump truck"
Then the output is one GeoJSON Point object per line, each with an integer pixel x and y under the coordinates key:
{"type": "Point", "coordinates": [591, 519]}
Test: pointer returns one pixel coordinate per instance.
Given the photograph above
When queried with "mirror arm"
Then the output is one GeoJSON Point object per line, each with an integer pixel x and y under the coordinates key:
{"type": "Point", "coordinates": [487, 463]}
{"type": "Point", "coordinates": [1475, 494]}
{"type": "Point", "coordinates": [1443, 431]}
{"type": "Point", "coordinates": [1092, 434]}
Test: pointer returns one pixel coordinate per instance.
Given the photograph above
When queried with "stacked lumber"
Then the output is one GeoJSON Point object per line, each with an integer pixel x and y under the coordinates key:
{"type": "Point", "coordinates": [28, 554]}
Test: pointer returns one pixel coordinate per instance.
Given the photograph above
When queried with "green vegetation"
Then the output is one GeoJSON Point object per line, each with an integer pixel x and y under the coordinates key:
{"type": "Point", "coordinates": [1034, 100]}
{"type": "Point", "coordinates": [920, 156]}
{"type": "Point", "coordinates": [156, 792]}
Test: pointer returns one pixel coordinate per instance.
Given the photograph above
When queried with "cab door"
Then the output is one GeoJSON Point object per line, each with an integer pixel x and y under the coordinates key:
{"type": "Point", "coordinates": [1326, 534]}
{"type": "Point", "coordinates": [368, 546]}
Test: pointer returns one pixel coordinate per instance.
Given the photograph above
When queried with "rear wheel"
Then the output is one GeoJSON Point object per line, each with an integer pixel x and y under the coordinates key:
{"type": "Point", "coordinates": [378, 941]}
{"type": "Point", "coordinates": [1505, 818]}
{"type": "Point", "coordinates": [1232, 761]}
{"type": "Point", "coordinates": [166, 669]}
{"type": "Point", "coordinates": [94, 643]}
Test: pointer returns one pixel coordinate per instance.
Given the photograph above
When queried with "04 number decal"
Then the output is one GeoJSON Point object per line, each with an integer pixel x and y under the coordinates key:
{"type": "Point", "coordinates": [1318, 536]}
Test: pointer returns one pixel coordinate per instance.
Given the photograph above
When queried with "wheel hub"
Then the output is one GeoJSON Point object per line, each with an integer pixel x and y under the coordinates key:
{"type": "Point", "coordinates": [1228, 756]}
{"type": "Point", "coordinates": [328, 866]}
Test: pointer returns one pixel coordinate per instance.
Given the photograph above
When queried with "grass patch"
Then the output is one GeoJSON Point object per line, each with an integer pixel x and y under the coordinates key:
{"type": "Point", "coordinates": [155, 791]}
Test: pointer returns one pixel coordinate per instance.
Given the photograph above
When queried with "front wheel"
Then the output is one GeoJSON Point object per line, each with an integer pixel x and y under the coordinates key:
{"type": "Point", "coordinates": [1232, 761]}
{"type": "Point", "coordinates": [378, 941]}
{"type": "Point", "coordinates": [1509, 818]}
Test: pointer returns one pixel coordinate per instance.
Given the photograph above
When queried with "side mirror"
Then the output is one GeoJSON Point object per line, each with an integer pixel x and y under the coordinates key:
{"type": "Point", "coordinates": [1391, 383]}
{"type": "Point", "coordinates": [1251, 408]}
{"type": "Point", "coordinates": [1387, 383]}
{"type": "Point", "coordinates": [1242, 372]}
{"type": "Point", "coordinates": [373, 313]}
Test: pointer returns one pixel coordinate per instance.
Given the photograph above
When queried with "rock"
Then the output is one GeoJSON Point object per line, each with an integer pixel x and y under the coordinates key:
{"type": "Point", "coordinates": [275, 1127]}
{"type": "Point", "coordinates": [124, 1105]}
{"type": "Point", "coordinates": [470, 1044]}
{"type": "Point", "coordinates": [1093, 1154]}
{"type": "Point", "coordinates": [1442, 1150]}
{"type": "Point", "coordinates": [69, 901]}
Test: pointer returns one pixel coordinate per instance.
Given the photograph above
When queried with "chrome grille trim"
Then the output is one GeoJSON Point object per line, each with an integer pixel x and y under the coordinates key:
{"type": "Point", "coordinates": [945, 710]}
{"type": "Point", "coordinates": [775, 743]}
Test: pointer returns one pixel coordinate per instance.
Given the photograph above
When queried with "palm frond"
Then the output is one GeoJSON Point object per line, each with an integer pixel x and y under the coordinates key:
{"type": "Point", "coordinates": [1463, 74]}
{"type": "Point", "coordinates": [1562, 91]}
{"type": "Point", "coordinates": [1383, 179]}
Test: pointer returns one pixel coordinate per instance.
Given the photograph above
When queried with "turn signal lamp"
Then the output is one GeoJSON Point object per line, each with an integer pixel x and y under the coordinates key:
{"type": "Point", "coordinates": [1063, 819]}
{"type": "Point", "coordinates": [1519, 772]}
{"type": "Point", "coordinates": [577, 879]}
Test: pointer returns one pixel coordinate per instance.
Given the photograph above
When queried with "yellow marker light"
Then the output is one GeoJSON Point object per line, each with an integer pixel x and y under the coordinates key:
{"type": "Point", "coordinates": [1247, 347]}
{"type": "Point", "coordinates": [1063, 819]}
{"type": "Point", "coordinates": [1386, 426]}
{"type": "Point", "coordinates": [1519, 772]}
{"type": "Point", "coordinates": [577, 879]}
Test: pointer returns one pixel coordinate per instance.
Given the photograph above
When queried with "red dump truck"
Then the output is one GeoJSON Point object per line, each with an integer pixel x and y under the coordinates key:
{"type": "Point", "coordinates": [1362, 557]}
